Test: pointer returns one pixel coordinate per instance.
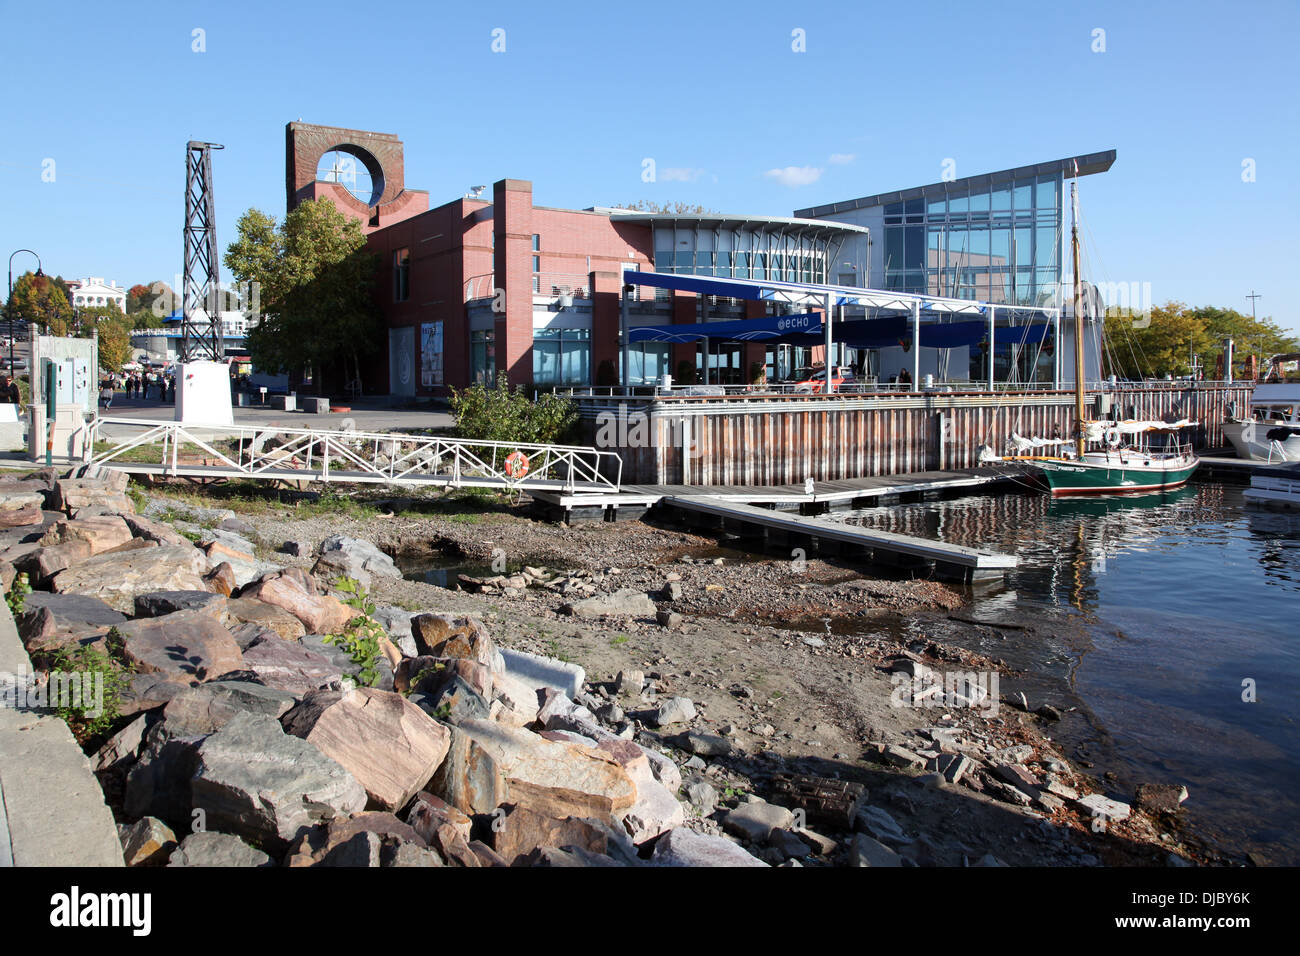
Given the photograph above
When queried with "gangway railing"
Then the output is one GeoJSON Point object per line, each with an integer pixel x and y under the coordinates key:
{"type": "Point", "coordinates": [317, 454]}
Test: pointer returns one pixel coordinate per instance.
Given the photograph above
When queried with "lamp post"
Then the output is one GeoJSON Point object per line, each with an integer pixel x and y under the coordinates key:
{"type": "Point", "coordinates": [9, 302]}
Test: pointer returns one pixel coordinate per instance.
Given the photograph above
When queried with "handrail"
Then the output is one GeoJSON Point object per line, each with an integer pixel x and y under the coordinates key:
{"type": "Point", "coordinates": [371, 455]}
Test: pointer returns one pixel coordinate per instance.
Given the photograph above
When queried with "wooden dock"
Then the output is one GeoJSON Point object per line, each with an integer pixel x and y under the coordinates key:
{"type": "Point", "coordinates": [786, 530]}
{"type": "Point", "coordinates": [634, 500]}
{"type": "Point", "coordinates": [784, 515]}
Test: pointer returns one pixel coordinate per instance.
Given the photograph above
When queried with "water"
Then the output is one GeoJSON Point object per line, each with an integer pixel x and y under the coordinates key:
{"type": "Point", "coordinates": [1152, 613]}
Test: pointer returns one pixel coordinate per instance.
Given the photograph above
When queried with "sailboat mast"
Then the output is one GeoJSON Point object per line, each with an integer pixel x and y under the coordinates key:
{"type": "Point", "coordinates": [1078, 316]}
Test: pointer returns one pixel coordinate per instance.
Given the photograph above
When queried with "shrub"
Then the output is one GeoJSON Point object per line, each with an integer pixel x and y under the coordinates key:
{"type": "Point", "coordinates": [509, 415]}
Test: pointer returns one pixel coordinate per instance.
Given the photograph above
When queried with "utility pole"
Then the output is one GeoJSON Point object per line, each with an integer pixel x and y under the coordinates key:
{"type": "Point", "coordinates": [1252, 297]}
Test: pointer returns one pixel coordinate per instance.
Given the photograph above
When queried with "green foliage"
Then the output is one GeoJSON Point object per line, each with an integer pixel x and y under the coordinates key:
{"type": "Point", "coordinates": [315, 279]}
{"type": "Point", "coordinates": [137, 497]}
{"type": "Point", "coordinates": [360, 638]}
{"type": "Point", "coordinates": [509, 415]}
{"type": "Point", "coordinates": [1162, 343]}
{"type": "Point", "coordinates": [18, 591]}
{"type": "Point", "coordinates": [86, 659]}
{"type": "Point", "coordinates": [42, 300]}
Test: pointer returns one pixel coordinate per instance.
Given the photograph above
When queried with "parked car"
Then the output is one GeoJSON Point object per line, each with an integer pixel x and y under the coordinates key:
{"type": "Point", "coordinates": [814, 380]}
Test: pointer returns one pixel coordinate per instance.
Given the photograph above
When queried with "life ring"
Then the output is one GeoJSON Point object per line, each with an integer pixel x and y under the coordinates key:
{"type": "Point", "coordinates": [1113, 436]}
{"type": "Point", "coordinates": [516, 464]}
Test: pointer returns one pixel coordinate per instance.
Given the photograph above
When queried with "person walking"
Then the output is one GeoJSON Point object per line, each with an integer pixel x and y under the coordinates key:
{"type": "Point", "coordinates": [106, 393]}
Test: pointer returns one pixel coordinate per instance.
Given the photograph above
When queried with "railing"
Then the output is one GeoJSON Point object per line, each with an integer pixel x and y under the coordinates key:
{"type": "Point", "coordinates": [553, 284]}
{"type": "Point", "coordinates": [349, 456]}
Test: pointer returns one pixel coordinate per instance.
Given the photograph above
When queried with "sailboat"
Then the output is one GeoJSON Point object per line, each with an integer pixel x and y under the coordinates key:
{"type": "Point", "coordinates": [1152, 462]}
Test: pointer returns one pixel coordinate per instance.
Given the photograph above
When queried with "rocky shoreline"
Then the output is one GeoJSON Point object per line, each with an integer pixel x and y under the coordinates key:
{"type": "Point", "coordinates": [613, 695]}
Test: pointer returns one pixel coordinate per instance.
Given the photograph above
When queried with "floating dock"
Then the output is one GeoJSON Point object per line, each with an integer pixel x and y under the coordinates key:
{"type": "Point", "coordinates": [951, 561]}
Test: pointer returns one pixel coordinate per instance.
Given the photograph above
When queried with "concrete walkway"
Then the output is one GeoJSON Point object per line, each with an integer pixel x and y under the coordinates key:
{"type": "Point", "coordinates": [52, 810]}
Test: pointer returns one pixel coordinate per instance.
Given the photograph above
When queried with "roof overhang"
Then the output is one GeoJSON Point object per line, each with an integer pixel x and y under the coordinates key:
{"type": "Point", "coordinates": [806, 294]}
{"type": "Point", "coordinates": [1089, 164]}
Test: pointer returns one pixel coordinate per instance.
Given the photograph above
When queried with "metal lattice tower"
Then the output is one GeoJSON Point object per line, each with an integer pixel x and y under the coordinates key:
{"type": "Point", "coordinates": [200, 339]}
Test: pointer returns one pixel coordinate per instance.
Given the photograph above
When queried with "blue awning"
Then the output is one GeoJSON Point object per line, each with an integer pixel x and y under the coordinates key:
{"type": "Point", "coordinates": [803, 329]}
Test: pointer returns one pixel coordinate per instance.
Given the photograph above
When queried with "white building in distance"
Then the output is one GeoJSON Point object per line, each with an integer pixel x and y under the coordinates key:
{"type": "Point", "coordinates": [88, 293]}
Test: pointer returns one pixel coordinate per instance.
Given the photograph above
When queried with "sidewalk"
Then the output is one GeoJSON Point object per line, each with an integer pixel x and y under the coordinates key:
{"type": "Point", "coordinates": [52, 810]}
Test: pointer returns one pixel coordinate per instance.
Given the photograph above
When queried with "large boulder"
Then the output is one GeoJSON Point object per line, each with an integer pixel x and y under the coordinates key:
{"type": "Point", "coordinates": [469, 779]}
{"type": "Point", "coordinates": [453, 635]}
{"type": "Point", "coordinates": [78, 494]}
{"type": "Point", "coordinates": [117, 578]}
{"type": "Point", "coordinates": [266, 616]}
{"type": "Point", "coordinates": [295, 591]}
{"type": "Point", "coordinates": [524, 755]}
{"type": "Point", "coordinates": [185, 647]}
{"type": "Point", "coordinates": [45, 614]}
{"type": "Point", "coordinates": [354, 558]}
{"type": "Point", "coordinates": [217, 849]}
{"type": "Point", "coordinates": [683, 847]}
{"type": "Point", "coordinates": [158, 603]}
{"type": "Point", "coordinates": [523, 830]}
{"type": "Point", "coordinates": [290, 667]}
{"type": "Point", "coordinates": [387, 743]}
{"type": "Point", "coordinates": [101, 532]}
{"type": "Point", "coordinates": [42, 563]}
{"type": "Point", "coordinates": [254, 780]}
{"type": "Point", "coordinates": [207, 708]}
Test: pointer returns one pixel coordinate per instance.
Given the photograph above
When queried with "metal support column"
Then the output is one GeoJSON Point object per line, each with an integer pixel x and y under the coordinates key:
{"type": "Point", "coordinates": [202, 259]}
{"type": "Point", "coordinates": [830, 368]}
{"type": "Point", "coordinates": [1056, 350]}
{"type": "Point", "coordinates": [623, 331]}
{"type": "Point", "coordinates": [992, 315]}
{"type": "Point", "coordinates": [916, 345]}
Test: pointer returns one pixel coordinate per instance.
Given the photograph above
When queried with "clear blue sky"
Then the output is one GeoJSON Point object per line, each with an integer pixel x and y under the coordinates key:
{"type": "Point", "coordinates": [584, 91]}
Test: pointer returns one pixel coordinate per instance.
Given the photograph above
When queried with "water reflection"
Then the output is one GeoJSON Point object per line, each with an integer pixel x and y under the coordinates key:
{"type": "Point", "coordinates": [1154, 610]}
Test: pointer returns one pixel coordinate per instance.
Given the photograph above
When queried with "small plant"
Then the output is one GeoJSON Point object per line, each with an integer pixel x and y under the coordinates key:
{"type": "Point", "coordinates": [17, 596]}
{"type": "Point", "coordinates": [359, 638]}
{"type": "Point", "coordinates": [617, 640]}
{"type": "Point", "coordinates": [82, 661]}
{"type": "Point", "coordinates": [137, 497]}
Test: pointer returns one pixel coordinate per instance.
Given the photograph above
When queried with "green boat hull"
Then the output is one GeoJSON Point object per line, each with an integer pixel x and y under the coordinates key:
{"type": "Point", "coordinates": [1076, 478]}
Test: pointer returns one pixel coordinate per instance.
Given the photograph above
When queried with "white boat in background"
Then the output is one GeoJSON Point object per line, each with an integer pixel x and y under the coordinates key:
{"type": "Point", "coordinates": [1275, 487]}
{"type": "Point", "coordinates": [1271, 429]}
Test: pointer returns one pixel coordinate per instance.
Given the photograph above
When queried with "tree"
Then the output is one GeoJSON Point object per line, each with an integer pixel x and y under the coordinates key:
{"type": "Point", "coordinates": [1163, 342]}
{"type": "Point", "coordinates": [114, 344]}
{"type": "Point", "coordinates": [40, 300]}
{"type": "Point", "coordinates": [315, 278]}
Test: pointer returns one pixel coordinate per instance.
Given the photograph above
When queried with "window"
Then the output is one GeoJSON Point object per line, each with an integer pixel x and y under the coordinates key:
{"type": "Point", "coordinates": [537, 243]}
{"type": "Point", "coordinates": [648, 362]}
{"type": "Point", "coordinates": [561, 357]}
{"type": "Point", "coordinates": [483, 358]}
{"type": "Point", "coordinates": [401, 275]}
{"type": "Point", "coordinates": [537, 263]}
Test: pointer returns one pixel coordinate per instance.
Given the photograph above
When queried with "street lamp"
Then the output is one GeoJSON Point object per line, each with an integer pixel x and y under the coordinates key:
{"type": "Point", "coordinates": [9, 303]}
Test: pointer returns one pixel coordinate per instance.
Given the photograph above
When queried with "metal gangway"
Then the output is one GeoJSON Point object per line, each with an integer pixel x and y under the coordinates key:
{"type": "Point", "coordinates": [273, 453]}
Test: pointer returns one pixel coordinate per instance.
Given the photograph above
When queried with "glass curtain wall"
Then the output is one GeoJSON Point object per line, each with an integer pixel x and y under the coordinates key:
{"type": "Point", "coordinates": [561, 356]}
{"type": "Point", "coordinates": [1000, 243]}
{"type": "Point", "coordinates": [740, 254]}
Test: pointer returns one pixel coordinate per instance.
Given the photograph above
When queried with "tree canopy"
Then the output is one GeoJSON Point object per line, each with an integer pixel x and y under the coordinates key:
{"type": "Point", "coordinates": [42, 300]}
{"type": "Point", "coordinates": [315, 278]}
{"type": "Point", "coordinates": [1164, 341]}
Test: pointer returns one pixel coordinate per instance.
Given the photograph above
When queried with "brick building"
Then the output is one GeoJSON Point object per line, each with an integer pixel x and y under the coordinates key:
{"type": "Point", "coordinates": [503, 290]}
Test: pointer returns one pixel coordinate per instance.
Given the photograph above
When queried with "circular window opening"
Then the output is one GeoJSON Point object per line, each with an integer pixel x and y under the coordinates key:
{"type": "Point", "coordinates": [352, 172]}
